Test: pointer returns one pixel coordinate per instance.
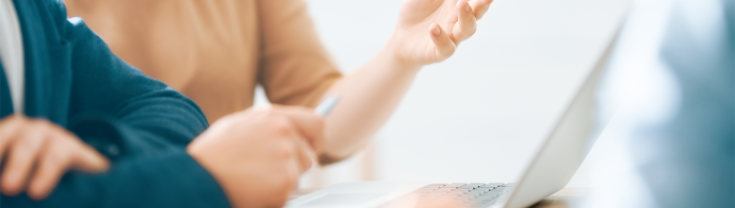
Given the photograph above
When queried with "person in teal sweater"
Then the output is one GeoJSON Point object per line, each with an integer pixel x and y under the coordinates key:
{"type": "Point", "coordinates": [67, 101]}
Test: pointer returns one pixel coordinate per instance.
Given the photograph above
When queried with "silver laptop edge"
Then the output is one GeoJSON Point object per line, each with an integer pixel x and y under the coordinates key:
{"type": "Point", "coordinates": [553, 167]}
{"type": "Point", "coordinates": [567, 145]}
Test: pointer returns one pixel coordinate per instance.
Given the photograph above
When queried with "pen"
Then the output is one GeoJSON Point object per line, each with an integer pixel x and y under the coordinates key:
{"type": "Point", "coordinates": [326, 106]}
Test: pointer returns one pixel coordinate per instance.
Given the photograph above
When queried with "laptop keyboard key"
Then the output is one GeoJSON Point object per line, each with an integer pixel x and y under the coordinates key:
{"type": "Point", "coordinates": [484, 189]}
{"type": "Point", "coordinates": [435, 185]}
{"type": "Point", "coordinates": [454, 185]}
{"type": "Point", "coordinates": [509, 185]}
{"type": "Point", "coordinates": [491, 185]}
{"type": "Point", "coordinates": [471, 186]}
{"type": "Point", "coordinates": [501, 189]}
{"type": "Point", "coordinates": [473, 194]}
{"type": "Point", "coordinates": [461, 190]}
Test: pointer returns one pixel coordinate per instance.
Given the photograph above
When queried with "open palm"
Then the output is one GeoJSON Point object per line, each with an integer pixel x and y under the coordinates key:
{"type": "Point", "coordinates": [429, 31]}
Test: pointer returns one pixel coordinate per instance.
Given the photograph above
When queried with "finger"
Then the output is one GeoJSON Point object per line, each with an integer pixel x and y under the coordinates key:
{"type": "Point", "coordinates": [466, 25]}
{"type": "Point", "coordinates": [305, 155]}
{"type": "Point", "coordinates": [444, 45]}
{"type": "Point", "coordinates": [293, 168]}
{"type": "Point", "coordinates": [21, 159]}
{"type": "Point", "coordinates": [293, 175]}
{"type": "Point", "coordinates": [9, 126]}
{"type": "Point", "coordinates": [416, 10]}
{"type": "Point", "coordinates": [53, 163]}
{"type": "Point", "coordinates": [87, 159]}
{"type": "Point", "coordinates": [290, 183]}
{"type": "Point", "coordinates": [480, 7]}
{"type": "Point", "coordinates": [451, 17]}
{"type": "Point", "coordinates": [308, 124]}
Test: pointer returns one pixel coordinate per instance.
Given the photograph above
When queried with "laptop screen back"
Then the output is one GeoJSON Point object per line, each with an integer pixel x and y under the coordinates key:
{"type": "Point", "coordinates": [566, 146]}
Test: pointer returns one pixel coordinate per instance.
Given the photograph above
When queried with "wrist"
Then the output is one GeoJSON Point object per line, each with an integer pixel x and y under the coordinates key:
{"type": "Point", "coordinates": [391, 55]}
{"type": "Point", "coordinates": [223, 178]}
{"type": "Point", "coordinates": [395, 52]}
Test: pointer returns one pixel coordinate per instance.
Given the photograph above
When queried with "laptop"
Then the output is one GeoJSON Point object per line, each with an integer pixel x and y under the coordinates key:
{"type": "Point", "coordinates": [552, 168]}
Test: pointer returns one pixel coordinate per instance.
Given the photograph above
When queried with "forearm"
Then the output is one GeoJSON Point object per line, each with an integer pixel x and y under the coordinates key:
{"type": "Point", "coordinates": [171, 180]}
{"type": "Point", "coordinates": [368, 98]}
{"type": "Point", "coordinates": [427, 32]}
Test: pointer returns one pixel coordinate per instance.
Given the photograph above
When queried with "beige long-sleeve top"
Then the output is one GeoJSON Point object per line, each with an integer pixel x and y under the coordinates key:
{"type": "Point", "coordinates": [217, 51]}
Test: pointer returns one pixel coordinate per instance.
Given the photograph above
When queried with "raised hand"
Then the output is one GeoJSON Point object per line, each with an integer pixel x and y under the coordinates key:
{"type": "Point", "coordinates": [429, 31]}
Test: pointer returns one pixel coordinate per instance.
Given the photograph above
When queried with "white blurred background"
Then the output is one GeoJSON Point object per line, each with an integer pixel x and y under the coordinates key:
{"type": "Point", "coordinates": [480, 115]}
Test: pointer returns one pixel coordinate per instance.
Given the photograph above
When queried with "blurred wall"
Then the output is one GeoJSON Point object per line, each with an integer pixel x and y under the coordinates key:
{"type": "Point", "coordinates": [481, 115]}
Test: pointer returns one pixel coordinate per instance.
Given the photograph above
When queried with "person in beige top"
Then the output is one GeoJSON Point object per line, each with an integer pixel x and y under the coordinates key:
{"type": "Point", "coordinates": [217, 51]}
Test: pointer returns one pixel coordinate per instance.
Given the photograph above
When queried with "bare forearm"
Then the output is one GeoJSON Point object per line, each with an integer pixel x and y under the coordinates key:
{"type": "Point", "coordinates": [368, 98]}
{"type": "Point", "coordinates": [370, 95]}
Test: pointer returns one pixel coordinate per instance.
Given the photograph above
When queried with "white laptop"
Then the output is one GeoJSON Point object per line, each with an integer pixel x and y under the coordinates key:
{"type": "Point", "coordinates": [552, 168]}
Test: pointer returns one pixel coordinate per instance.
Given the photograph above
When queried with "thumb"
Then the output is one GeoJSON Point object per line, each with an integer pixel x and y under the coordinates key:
{"type": "Point", "coordinates": [89, 160]}
{"type": "Point", "coordinates": [309, 125]}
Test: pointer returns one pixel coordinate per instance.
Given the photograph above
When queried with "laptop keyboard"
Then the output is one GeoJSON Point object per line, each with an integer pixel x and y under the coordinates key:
{"type": "Point", "coordinates": [469, 194]}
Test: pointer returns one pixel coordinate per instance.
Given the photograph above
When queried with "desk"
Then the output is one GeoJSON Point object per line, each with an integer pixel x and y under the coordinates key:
{"type": "Point", "coordinates": [567, 197]}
